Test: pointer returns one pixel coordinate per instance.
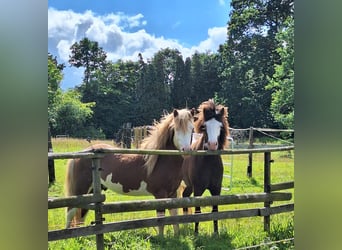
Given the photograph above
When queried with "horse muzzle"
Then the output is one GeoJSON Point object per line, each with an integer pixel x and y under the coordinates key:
{"type": "Point", "coordinates": [186, 148]}
{"type": "Point", "coordinates": [212, 145]}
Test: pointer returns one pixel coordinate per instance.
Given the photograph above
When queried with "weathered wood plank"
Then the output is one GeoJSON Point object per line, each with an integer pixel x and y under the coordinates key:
{"type": "Point", "coordinates": [75, 201]}
{"type": "Point", "coordinates": [71, 155]}
{"type": "Point", "coordinates": [150, 222]}
{"type": "Point", "coordinates": [282, 186]}
{"type": "Point", "coordinates": [168, 203]}
{"type": "Point", "coordinates": [169, 220]}
{"type": "Point", "coordinates": [277, 209]}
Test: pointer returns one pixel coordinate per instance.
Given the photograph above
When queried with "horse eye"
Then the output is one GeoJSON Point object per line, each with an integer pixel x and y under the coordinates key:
{"type": "Point", "coordinates": [203, 128]}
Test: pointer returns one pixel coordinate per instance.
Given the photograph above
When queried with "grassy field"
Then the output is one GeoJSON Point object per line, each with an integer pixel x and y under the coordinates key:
{"type": "Point", "coordinates": [233, 233]}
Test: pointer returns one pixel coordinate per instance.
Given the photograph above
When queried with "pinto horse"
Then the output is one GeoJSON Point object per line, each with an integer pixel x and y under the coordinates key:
{"type": "Point", "coordinates": [205, 171]}
{"type": "Point", "coordinates": [136, 174]}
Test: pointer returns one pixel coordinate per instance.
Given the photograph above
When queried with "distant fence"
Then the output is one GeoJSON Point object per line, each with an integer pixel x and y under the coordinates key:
{"type": "Point", "coordinates": [62, 136]}
{"type": "Point", "coordinates": [239, 136]}
{"type": "Point", "coordinates": [95, 201]}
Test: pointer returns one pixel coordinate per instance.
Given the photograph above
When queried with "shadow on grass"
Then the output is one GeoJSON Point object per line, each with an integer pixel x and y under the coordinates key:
{"type": "Point", "coordinates": [255, 183]}
{"type": "Point", "coordinates": [188, 241]}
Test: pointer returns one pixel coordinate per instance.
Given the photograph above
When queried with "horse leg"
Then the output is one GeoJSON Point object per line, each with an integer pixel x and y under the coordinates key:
{"type": "Point", "coordinates": [216, 191]}
{"type": "Point", "coordinates": [71, 212]}
{"type": "Point", "coordinates": [215, 209]}
{"type": "Point", "coordinates": [75, 216]}
{"type": "Point", "coordinates": [186, 193]}
{"type": "Point", "coordinates": [174, 212]}
{"type": "Point", "coordinates": [161, 213]}
{"type": "Point", "coordinates": [197, 209]}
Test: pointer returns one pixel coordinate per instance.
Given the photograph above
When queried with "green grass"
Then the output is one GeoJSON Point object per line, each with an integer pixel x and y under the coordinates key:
{"type": "Point", "coordinates": [233, 233]}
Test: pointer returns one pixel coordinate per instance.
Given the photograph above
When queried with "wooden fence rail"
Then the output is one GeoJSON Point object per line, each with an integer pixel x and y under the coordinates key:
{"type": "Point", "coordinates": [100, 152]}
{"type": "Point", "coordinates": [75, 201]}
{"type": "Point", "coordinates": [169, 220]}
{"type": "Point", "coordinates": [95, 201]}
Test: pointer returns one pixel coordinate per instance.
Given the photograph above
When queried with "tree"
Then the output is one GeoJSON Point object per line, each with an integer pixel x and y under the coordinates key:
{"type": "Point", "coordinates": [54, 94]}
{"type": "Point", "coordinates": [114, 96]}
{"type": "Point", "coordinates": [72, 115]}
{"type": "Point", "coordinates": [248, 59]}
{"type": "Point", "coordinates": [89, 55]}
{"type": "Point", "coordinates": [282, 82]}
{"type": "Point", "coordinates": [55, 76]}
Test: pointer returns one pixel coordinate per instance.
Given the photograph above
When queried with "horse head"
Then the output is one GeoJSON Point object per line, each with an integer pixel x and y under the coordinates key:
{"type": "Point", "coordinates": [183, 121]}
{"type": "Point", "coordinates": [212, 123]}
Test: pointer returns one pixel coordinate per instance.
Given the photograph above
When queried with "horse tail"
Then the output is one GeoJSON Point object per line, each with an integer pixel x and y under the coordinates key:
{"type": "Point", "coordinates": [69, 189]}
{"type": "Point", "coordinates": [73, 215]}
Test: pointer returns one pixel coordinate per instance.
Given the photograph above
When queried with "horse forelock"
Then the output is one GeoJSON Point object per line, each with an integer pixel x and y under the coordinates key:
{"type": "Point", "coordinates": [208, 110]}
{"type": "Point", "coordinates": [183, 120]}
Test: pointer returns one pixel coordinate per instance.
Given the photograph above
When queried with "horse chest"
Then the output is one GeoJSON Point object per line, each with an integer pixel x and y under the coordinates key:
{"type": "Point", "coordinates": [127, 187]}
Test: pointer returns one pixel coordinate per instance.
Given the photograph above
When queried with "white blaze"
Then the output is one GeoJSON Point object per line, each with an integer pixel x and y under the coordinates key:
{"type": "Point", "coordinates": [182, 139]}
{"type": "Point", "coordinates": [213, 128]}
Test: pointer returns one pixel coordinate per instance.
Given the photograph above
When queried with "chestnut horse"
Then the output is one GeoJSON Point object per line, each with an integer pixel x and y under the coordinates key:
{"type": "Point", "coordinates": [136, 174]}
{"type": "Point", "coordinates": [205, 171]}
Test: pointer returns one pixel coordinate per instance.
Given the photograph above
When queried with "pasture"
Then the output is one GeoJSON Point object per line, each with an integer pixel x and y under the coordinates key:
{"type": "Point", "coordinates": [233, 233]}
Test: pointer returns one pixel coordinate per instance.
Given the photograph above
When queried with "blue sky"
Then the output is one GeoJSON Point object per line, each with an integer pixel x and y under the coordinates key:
{"type": "Point", "coordinates": [125, 28]}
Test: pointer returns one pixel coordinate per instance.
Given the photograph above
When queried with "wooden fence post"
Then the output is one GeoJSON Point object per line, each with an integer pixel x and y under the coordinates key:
{"type": "Point", "coordinates": [98, 205]}
{"type": "Point", "coordinates": [267, 187]}
{"type": "Point", "coordinates": [51, 162]}
{"type": "Point", "coordinates": [250, 155]}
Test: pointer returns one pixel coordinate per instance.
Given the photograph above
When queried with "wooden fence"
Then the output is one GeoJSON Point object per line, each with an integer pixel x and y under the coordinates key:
{"type": "Point", "coordinates": [95, 201]}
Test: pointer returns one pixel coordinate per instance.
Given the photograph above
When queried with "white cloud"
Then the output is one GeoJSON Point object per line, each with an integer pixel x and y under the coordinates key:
{"type": "Point", "coordinates": [216, 36]}
{"type": "Point", "coordinates": [121, 36]}
{"type": "Point", "coordinates": [221, 2]}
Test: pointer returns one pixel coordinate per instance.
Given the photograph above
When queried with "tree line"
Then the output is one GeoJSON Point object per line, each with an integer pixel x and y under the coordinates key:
{"type": "Point", "coordinates": [252, 73]}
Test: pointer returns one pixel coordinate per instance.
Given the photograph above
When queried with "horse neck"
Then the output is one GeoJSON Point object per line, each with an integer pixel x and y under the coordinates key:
{"type": "Point", "coordinates": [151, 160]}
{"type": "Point", "coordinates": [199, 144]}
{"type": "Point", "coordinates": [169, 145]}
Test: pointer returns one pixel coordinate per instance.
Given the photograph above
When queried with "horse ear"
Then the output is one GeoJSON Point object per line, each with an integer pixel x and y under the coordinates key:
{"type": "Point", "coordinates": [222, 111]}
{"type": "Point", "coordinates": [193, 111]}
{"type": "Point", "coordinates": [175, 112]}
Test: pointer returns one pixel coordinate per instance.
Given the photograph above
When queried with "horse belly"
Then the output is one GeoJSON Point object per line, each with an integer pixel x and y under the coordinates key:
{"type": "Point", "coordinates": [119, 188]}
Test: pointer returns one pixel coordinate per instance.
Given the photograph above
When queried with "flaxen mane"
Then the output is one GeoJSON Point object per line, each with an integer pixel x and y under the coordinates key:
{"type": "Point", "coordinates": [166, 126]}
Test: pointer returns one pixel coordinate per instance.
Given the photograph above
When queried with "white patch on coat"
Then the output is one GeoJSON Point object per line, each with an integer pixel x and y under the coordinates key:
{"type": "Point", "coordinates": [118, 188]}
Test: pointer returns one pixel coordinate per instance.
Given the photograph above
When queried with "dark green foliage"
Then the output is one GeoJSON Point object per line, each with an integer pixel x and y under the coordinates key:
{"type": "Point", "coordinates": [54, 92]}
{"type": "Point", "coordinates": [248, 58]}
{"type": "Point", "coordinates": [282, 82]}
